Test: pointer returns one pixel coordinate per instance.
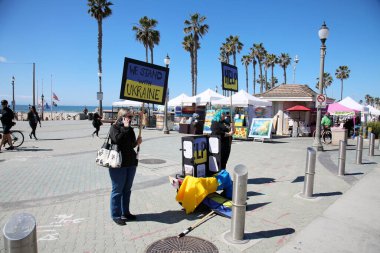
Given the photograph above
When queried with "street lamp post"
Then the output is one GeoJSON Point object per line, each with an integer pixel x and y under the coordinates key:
{"type": "Point", "coordinates": [166, 130]}
{"type": "Point", "coordinates": [296, 60]}
{"type": "Point", "coordinates": [323, 34]}
{"type": "Point", "coordinates": [13, 94]}
{"type": "Point", "coordinates": [42, 107]}
{"type": "Point", "coordinates": [100, 94]}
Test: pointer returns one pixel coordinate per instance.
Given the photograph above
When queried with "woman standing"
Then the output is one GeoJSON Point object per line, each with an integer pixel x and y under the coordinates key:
{"type": "Point", "coordinates": [96, 122]}
{"type": "Point", "coordinates": [220, 127]}
{"type": "Point", "coordinates": [122, 134]}
{"type": "Point", "coordinates": [33, 119]}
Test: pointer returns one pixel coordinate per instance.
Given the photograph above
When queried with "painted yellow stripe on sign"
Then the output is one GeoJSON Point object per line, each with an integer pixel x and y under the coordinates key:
{"type": "Point", "coordinates": [143, 91]}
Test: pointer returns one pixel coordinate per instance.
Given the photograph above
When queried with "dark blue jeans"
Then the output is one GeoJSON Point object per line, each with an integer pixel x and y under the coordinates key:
{"type": "Point", "coordinates": [122, 180]}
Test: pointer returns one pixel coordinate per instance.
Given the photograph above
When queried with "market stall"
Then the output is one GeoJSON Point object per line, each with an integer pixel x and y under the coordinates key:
{"type": "Point", "coordinates": [245, 108]}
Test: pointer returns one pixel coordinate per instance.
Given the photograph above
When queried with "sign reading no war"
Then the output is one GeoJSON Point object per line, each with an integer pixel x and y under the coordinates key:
{"type": "Point", "coordinates": [229, 77]}
{"type": "Point", "coordinates": [144, 82]}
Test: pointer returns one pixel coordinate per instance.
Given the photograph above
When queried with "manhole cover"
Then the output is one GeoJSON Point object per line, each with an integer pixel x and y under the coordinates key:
{"type": "Point", "coordinates": [187, 244]}
{"type": "Point", "coordinates": [152, 161]}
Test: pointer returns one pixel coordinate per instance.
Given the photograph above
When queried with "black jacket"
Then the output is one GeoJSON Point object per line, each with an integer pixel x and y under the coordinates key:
{"type": "Point", "coordinates": [33, 118]}
{"type": "Point", "coordinates": [7, 116]}
{"type": "Point", "coordinates": [125, 138]}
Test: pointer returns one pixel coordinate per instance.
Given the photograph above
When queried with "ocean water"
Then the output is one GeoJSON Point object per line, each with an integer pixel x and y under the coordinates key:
{"type": "Point", "coordinates": [62, 108]}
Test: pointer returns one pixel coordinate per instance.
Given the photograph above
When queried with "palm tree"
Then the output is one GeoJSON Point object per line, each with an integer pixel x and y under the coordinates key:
{"type": "Point", "coordinates": [259, 52]}
{"type": "Point", "coordinates": [225, 52]}
{"type": "Point", "coordinates": [147, 35]}
{"type": "Point", "coordinates": [196, 29]}
{"type": "Point", "coordinates": [284, 61]}
{"type": "Point", "coordinates": [188, 45]}
{"type": "Point", "coordinates": [236, 46]}
{"type": "Point", "coordinates": [99, 9]}
{"type": "Point", "coordinates": [377, 101]}
{"type": "Point", "coordinates": [254, 62]}
{"type": "Point", "coordinates": [327, 81]}
{"type": "Point", "coordinates": [271, 61]}
{"type": "Point", "coordinates": [266, 67]}
{"type": "Point", "coordinates": [342, 73]}
{"type": "Point", "coordinates": [245, 60]}
{"type": "Point", "coordinates": [367, 99]}
{"type": "Point", "coordinates": [273, 81]}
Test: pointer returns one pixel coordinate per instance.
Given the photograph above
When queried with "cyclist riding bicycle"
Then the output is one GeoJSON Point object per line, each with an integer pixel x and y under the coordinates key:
{"type": "Point", "coordinates": [326, 121]}
{"type": "Point", "coordinates": [7, 121]}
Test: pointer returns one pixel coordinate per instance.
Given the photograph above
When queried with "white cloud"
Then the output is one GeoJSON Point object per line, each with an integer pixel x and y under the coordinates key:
{"type": "Point", "coordinates": [3, 59]}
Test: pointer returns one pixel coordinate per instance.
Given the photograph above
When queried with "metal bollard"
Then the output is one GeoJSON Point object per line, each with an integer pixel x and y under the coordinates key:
{"type": "Point", "coordinates": [20, 234]}
{"type": "Point", "coordinates": [359, 150]}
{"type": "Point", "coordinates": [342, 158]}
{"type": "Point", "coordinates": [309, 173]}
{"type": "Point", "coordinates": [239, 198]}
{"type": "Point", "coordinates": [371, 151]}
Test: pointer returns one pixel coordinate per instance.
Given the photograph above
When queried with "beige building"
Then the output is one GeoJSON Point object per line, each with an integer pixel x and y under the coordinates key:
{"type": "Point", "coordinates": [285, 96]}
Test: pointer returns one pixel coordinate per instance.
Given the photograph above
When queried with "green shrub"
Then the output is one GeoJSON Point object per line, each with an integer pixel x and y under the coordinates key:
{"type": "Point", "coordinates": [375, 128]}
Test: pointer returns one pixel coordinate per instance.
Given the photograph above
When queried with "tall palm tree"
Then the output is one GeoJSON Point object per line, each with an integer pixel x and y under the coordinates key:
{"type": "Point", "coordinates": [225, 52]}
{"type": "Point", "coordinates": [245, 60]}
{"type": "Point", "coordinates": [327, 81]}
{"type": "Point", "coordinates": [367, 99]}
{"type": "Point", "coordinates": [188, 45]}
{"type": "Point", "coordinates": [99, 9]}
{"type": "Point", "coordinates": [147, 35]}
{"type": "Point", "coordinates": [342, 73]}
{"type": "Point", "coordinates": [236, 46]}
{"type": "Point", "coordinates": [273, 81]}
{"type": "Point", "coordinates": [254, 62]}
{"type": "Point", "coordinates": [195, 27]}
{"type": "Point", "coordinates": [271, 61]}
{"type": "Point", "coordinates": [377, 101]}
{"type": "Point", "coordinates": [259, 52]}
{"type": "Point", "coordinates": [284, 61]}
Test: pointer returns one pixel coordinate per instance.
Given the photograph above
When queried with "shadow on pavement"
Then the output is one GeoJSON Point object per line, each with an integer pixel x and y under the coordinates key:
{"type": "Point", "coordinates": [277, 142]}
{"type": "Point", "coordinates": [299, 179]}
{"type": "Point", "coordinates": [269, 233]}
{"type": "Point", "coordinates": [168, 217]}
{"type": "Point", "coordinates": [369, 163]}
{"type": "Point", "coordinates": [252, 207]}
{"type": "Point", "coordinates": [327, 194]}
{"type": "Point", "coordinates": [354, 174]}
{"type": "Point", "coordinates": [261, 180]}
{"type": "Point", "coordinates": [2, 160]}
{"type": "Point", "coordinates": [50, 139]}
{"type": "Point", "coordinates": [252, 193]}
{"type": "Point", "coordinates": [35, 149]}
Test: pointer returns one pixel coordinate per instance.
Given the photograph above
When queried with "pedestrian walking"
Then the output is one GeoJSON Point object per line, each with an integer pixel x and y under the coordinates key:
{"type": "Point", "coordinates": [122, 134]}
{"type": "Point", "coordinates": [220, 127]}
{"type": "Point", "coordinates": [7, 117]}
{"type": "Point", "coordinates": [33, 119]}
{"type": "Point", "coordinates": [96, 122]}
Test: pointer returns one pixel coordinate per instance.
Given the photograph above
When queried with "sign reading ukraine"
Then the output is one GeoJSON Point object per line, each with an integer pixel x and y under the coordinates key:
{"type": "Point", "coordinates": [229, 77]}
{"type": "Point", "coordinates": [144, 82]}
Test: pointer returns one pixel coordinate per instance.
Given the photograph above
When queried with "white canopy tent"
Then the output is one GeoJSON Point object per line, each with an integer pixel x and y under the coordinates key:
{"type": "Point", "coordinates": [182, 99]}
{"type": "Point", "coordinates": [126, 103]}
{"type": "Point", "coordinates": [352, 104]}
{"type": "Point", "coordinates": [208, 96]}
{"type": "Point", "coordinates": [242, 98]}
{"type": "Point", "coordinates": [373, 110]}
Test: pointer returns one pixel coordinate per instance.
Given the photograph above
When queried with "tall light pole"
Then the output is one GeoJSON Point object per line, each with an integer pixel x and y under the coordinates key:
{"type": "Point", "coordinates": [166, 130]}
{"type": "Point", "coordinates": [323, 33]}
{"type": "Point", "coordinates": [13, 94]}
{"type": "Point", "coordinates": [100, 94]}
{"type": "Point", "coordinates": [295, 61]}
{"type": "Point", "coordinates": [42, 107]}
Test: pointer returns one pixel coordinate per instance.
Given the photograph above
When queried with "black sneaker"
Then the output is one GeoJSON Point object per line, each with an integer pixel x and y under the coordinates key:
{"type": "Point", "coordinates": [120, 222]}
{"type": "Point", "coordinates": [30, 136]}
{"type": "Point", "coordinates": [10, 148]}
{"type": "Point", "coordinates": [129, 217]}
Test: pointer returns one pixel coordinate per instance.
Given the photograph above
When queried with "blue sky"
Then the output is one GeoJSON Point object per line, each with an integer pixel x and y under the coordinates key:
{"type": "Point", "coordinates": [61, 38]}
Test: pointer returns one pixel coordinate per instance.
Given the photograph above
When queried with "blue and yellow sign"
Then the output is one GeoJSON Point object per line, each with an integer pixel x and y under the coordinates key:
{"type": "Point", "coordinates": [144, 82]}
{"type": "Point", "coordinates": [200, 150]}
{"type": "Point", "coordinates": [229, 77]}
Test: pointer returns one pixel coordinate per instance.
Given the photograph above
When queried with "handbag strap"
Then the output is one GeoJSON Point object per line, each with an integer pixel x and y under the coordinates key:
{"type": "Point", "coordinates": [107, 141]}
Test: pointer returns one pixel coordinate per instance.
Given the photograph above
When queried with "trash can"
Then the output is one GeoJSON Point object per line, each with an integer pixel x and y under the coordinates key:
{"type": "Point", "coordinates": [338, 134]}
{"type": "Point", "coordinates": [20, 234]}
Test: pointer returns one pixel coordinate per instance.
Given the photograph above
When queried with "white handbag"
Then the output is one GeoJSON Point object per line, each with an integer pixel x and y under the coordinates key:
{"type": "Point", "coordinates": [109, 155]}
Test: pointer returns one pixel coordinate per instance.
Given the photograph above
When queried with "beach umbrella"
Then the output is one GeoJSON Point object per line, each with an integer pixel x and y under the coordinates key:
{"type": "Point", "coordinates": [299, 109]}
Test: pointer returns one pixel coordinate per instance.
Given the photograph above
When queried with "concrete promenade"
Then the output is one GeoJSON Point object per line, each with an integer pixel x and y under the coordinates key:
{"type": "Point", "coordinates": [56, 180]}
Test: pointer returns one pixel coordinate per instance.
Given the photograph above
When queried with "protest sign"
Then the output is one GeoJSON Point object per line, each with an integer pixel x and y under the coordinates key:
{"type": "Point", "coordinates": [229, 77]}
{"type": "Point", "coordinates": [144, 82]}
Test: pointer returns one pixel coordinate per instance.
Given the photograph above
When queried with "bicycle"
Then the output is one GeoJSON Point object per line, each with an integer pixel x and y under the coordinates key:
{"type": "Point", "coordinates": [326, 135]}
{"type": "Point", "coordinates": [17, 137]}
